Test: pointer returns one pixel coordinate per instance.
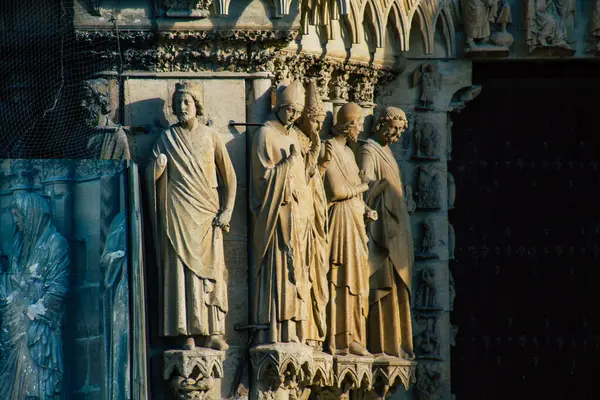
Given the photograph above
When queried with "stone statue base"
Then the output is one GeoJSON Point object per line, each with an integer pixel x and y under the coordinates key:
{"type": "Point", "coordinates": [389, 371]}
{"type": "Point", "coordinates": [187, 13]}
{"type": "Point", "coordinates": [193, 374]}
{"type": "Point", "coordinates": [563, 50]}
{"type": "Point", "coordinates": [486, 51]}
{"type": "Point", "coordinates": [288, 370]}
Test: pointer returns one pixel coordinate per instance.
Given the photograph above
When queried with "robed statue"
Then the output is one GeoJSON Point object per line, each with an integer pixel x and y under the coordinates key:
{"type": "Point", "coordinates": [347, 238]}
{"type": "Point", "coordinates": [188, 162]}
{"type": "Point", "coordinates": [391, 253]}
{"type": "Point", "coordinates": [315, 236]}
{"type": "Point", "coordinates": [32, 303]}
{"type": "Point", "coordinates": [116, 309]}
{"type": "Point", "coordinates": [280, 200]}
{"type": "Point", "coordinates": [106, 140]}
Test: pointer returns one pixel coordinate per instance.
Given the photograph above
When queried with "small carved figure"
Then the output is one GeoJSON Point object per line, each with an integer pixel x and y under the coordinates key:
{"type": "Point", "coordinates": [427, 344]}
{"type": "Point", "coordinates": [451, 191]}
{"type": "Point", "coordinates": [451, 242]}
{"type": "Point", "coordinates": [429, 239]}
{"type": "Point", "coordinates": [549, 23]}
{"type": "Point", "coordinates": [429, 382]}
{"type": "Point", "coordinates": [315, 235]}
{"type": "Point", "coordinates": [479, 15]}
{"type": "Point", "coordinates": [426, 141]}
{"type": "Point", "coordinates": [428, 195]}
{"type": "Point", "coordinates": [431, 81]}
{"type": "Point", "coordinates": [339, 87]}
{"type": "Point", "coordinates": [107, 141]}
{"type": "Point", "coordinates": [411, 205]}
{"type": "Point", "coordinates": [188, 8]}
{"type": "Point", "coordinates": [189, 219]}
{"type": "Point", "coordinates": [32, 294]}
{"type": "Point", "coordinates": [426, 295]}
{"type": "Point", "coordinates": [452, 289]}
{"type": "Point", "coordinates": [116, 309]}
{"type": "Point", "coordinates": [595, 24]}
{"type": "Point", "coordinates": [348, 251]}
{"type": "Point", "coordinates": [279, 200]}
{"type": "Point", "coordinates": [391, 248]}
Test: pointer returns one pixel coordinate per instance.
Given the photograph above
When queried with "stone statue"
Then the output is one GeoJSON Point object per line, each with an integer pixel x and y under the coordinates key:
{"type": "Point", "coordinates": [479, 15]}
{"type": "Point", "coordinates": [280, 202]}
{"type": "Point", "coordinates": [391, 248]}
{"type": "Point", "coordinates": [116, 309]}
{"type": "Point", "coordinates": [429, 239]}
{"type": "Point", "coordinates": [348, 252]}
{"type": "Point", "coordinates": [428, 195]}
{"type": "Point", "coordinates": [595, 23]}
{"type": "Point", "coordinates": [431, 81]}
{"type": "Point", "coordinates": [188, 219]}
{"type": "Point", "coordinates": [32, 301]}
{"type": "Point", "coordinates": [411, 204]}
{"type": "Point", "coordinates": [107, 141]}
{"type": "Point", "coordinates": [426, 296]}
{"type": "Point", "coordinates": [315, 236]}
{"type": "Point", "coordinates": [426, 141]}
{"type": "Point", "coordinates": [427, 343]}
{"type": "Point", "coordinates": [548, 23]}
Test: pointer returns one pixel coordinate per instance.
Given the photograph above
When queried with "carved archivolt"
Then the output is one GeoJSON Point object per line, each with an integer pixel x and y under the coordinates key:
{"type": "Point", "coordinates": [400, 14]}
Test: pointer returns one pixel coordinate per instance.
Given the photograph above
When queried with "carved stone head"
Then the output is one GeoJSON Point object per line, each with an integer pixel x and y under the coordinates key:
{"type": "Point", "coordinates": [314, 112]}
{"type": "Point", "coordinates": [350, 120]}
{"type": "Point", "coordinates": [391, 124]}
{"type": "Point", "coordinates": [186, 101]}
{"type": "Point", "coordinates": [94, 101]}
{"type": "Point", "coordinates": [290, 102]}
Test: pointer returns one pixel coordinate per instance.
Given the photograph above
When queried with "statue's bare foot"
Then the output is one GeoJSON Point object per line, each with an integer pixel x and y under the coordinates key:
{"type": "Point", "coordinates": [357, 349]}
{"type": "Point", "coordinates": [189, 343]}
{"type": "Point", "coordinates": [217, 342]}
{"type": "Point", "coordinates": [407, 356]}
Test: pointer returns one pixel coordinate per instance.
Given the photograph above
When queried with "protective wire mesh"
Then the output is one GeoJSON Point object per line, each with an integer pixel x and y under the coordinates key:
{"type": "Point", "coordinates": [43, 66]}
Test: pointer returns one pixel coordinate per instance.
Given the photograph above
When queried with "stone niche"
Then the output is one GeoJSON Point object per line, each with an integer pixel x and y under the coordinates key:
{"type": "Point", "coordinates": [229, 101]}
{"type": "Point", "coordinates": [82, 326]}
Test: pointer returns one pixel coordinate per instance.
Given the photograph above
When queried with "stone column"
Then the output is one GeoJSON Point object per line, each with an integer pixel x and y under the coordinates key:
{"type": "Point", "coordinates": [423, 154]}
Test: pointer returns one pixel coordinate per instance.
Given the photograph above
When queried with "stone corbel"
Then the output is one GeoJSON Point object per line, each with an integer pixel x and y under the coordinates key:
{"type": "Point", "coordinates": [291, 369]}
{"type": "Point", "coordinates": [193, 373]}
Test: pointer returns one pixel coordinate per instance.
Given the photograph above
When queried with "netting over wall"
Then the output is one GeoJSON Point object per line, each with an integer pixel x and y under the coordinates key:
{"type": "Point", "coordinates": [42, 67]}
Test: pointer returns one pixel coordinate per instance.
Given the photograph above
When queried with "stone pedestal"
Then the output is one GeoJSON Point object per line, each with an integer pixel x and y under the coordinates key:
{"type": "Point", "coordinates": [193, 374]}
{"type": "Point", "coordinates": [288, 370]}
{"type": "Point", "coordinates": [389, 373]}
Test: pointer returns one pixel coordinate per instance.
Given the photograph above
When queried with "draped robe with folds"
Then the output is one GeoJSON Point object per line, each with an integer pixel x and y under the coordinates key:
{"type": "Point", "coordinates": [31, 362]}
{"type": "Point", "coordinates": [391, 254]}
{"type": "Point", "coordinates": [116, 310]}
{"type": "Point", "coordinates": [478, 14]}
{"type": "Point", "coordinates": [184, 200]}
{"type": "Point", "coordinates": [110, 143]}
{"type": "Point", "coordinates": [348, 252]}
{"type": "Point", "coordinates": [315, 241]}
{"type": "Point", "coordinates": [280, 202]}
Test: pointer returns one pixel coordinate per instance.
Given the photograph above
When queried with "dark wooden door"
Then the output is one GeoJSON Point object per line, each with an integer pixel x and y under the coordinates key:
{"type": "Point", "coordinates": [527, 222]}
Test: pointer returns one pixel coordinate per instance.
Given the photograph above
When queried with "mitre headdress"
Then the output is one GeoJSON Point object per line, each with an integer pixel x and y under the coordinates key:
{"type": "Point", "coordinates": [314, 106]}
{"type": "Point", "coordinates": [292, 94]}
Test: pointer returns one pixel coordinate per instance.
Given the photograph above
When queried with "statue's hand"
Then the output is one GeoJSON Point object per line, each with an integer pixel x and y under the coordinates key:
{"type": "Point", "coordinates": [370, 215]}
{"type": "Point", "coordinates": [34, 310]}
{"type": "Point", "coordinates": [222, 220]}
{"type": "Point", "coordinates": [327, 156]}
{"type": "Point", "coordinates": [293, 153]}
{"type": "Point", "coordinates": [161, 165]}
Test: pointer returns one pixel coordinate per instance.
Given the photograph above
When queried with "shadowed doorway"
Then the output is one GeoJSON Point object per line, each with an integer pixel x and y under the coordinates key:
{"type": "Point", "coordinates": [527, 221]}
